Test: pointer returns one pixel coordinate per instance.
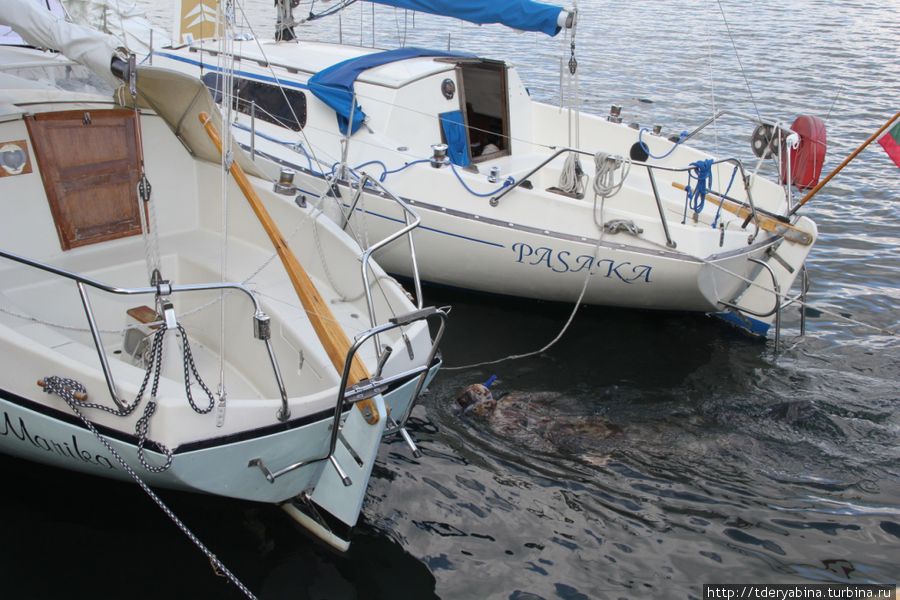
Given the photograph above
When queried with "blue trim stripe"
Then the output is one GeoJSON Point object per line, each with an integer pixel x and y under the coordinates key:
{"type": "Point", "coordinates": [396, 220]}
{"type": "Point", "coordinates": [744, 322]}
{"type": "Point", "coordinates": [456, 235]}
{"type": "Point", "coordinates": [440, 231]}
{"type": "Point", "coordinates": [244, 74]}
{"type": "Point", "coordinates": [463, 237]}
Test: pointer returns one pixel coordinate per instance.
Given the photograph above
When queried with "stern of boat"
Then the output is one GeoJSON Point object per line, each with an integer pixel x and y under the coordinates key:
{"type": "Point", "coordinates": [382, 405]}
{"type": "Point", "coordinates": [764, 291]}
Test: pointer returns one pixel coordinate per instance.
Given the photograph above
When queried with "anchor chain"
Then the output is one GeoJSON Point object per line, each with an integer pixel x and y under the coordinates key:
{"type": "Point", "coordinates": [154, 368]}
{"type": "Point", "coordinates": [66, 389]}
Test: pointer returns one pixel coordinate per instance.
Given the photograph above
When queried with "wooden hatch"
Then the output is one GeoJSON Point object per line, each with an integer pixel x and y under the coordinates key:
{"type": "Point", "coordinates": [89, 164]}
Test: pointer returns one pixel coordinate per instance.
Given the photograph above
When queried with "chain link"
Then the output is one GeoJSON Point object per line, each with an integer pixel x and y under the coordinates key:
{"type": "Point", "coordinates": [66, 389]}
{"type": "Point", "coordinates": [154, 368]}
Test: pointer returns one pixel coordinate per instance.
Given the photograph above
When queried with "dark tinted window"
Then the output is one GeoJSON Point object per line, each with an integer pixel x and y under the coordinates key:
{"type": "Point", "coordinates": [281, 106]}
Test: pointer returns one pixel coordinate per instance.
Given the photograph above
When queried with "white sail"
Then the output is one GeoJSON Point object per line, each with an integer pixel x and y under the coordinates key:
{"type": "Point", "coordinates": [8, 37]}
{"type": "Point", "coordinates": [41, 28]}
{"type": "Point", "coordinates": [123, 20]}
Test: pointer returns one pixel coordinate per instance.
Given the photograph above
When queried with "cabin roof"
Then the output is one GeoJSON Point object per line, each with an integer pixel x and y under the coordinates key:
{"type": "Point", "coordinates": [311, 57]}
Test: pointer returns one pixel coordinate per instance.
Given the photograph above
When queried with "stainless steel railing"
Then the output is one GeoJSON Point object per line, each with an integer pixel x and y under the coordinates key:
{"type": "Point", "coordinates": [364, 183]}
{"type": "Point", "coordinates": [163, 289]}
{"type": "Point", "coordinates": [411, 220]}
{"type": "Point", "coordinates": [368, 388]}
{"type": "Point", "coordinates": [782, 130]}
{"type": "Point", "coordinates": [754, 213]}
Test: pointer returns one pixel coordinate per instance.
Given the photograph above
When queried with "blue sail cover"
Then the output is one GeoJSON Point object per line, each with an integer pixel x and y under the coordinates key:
{"type": "Point", "coordinates": [524, 15]}
{"type": "Point", "coordinates": [454, 127]}
{"type": "Point", "coordinates": [334, 85]}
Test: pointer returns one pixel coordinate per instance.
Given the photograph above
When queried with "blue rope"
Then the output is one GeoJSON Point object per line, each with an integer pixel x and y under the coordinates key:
{"type": "Point", "coordinates": [646, 148]}
{"type": "Point", "coordinates": [374, 162]}
{"type": "Point", "coordinates": [508, 182]}
{"type": "Point", "coordinates": [727, 189]}
{"type": "Point", "coordinates": [385, 172]}
{"type": "Point", "coordinates": [695, 195]}
{"type": "Point", "coordinates": [398, 169]}
{"type": "Point", "coordinates": [299, 146]}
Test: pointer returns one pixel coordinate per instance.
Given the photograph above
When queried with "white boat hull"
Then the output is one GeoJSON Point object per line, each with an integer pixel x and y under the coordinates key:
{"type": "Point", "coordinates": [35, 432]}
{"type": "Point", "coordinates": [476, 252]}
{"type": "Point", "coordinates": [535, 240]}
{"type": "Point", "coordinates": [249, 399]}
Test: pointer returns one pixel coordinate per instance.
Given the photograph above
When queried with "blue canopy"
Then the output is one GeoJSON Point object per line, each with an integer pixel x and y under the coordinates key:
{"type": "Point", "coordinates": [334, 85]}
{"type": "Point", "coordinates": [524, 15]}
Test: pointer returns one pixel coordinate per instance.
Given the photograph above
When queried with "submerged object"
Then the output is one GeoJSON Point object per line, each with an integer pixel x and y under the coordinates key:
{"type": "Point", "coordinates": [535, 419]}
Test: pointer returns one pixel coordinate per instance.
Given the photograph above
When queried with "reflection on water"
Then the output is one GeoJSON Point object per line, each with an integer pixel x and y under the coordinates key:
{"type": "Point", "coordinates": [730, 463]}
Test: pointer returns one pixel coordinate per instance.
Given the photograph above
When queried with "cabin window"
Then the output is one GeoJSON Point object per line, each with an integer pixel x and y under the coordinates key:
{"type": "Point", "coordinates": [484, 101]}
{"type": "Point", "coordinates": [281, 106]}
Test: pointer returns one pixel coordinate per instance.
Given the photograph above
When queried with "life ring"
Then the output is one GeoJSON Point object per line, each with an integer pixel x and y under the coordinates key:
{"type": "Point", "coordinates": [809, 156]}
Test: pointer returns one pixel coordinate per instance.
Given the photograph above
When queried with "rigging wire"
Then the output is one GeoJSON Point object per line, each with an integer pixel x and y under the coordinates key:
{"type": "Point", "coordinates": [277, 79]}
{"type": "Point", "coordinates": [328, 183]}
{"type": "Point", "coordinates": [712, 88]}
{"type": "Point", "coordinates": [738, 56]}
{"type": "Point", "coordinates": [226, 15]}
{"type": "Point", "coordinates": [837, 95]}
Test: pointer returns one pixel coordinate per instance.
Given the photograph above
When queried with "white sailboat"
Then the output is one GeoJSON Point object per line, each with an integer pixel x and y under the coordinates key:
{"type": "Point", "coordinates": [155, 326]}
{"type": "Point", "coordinates": [518, 197]}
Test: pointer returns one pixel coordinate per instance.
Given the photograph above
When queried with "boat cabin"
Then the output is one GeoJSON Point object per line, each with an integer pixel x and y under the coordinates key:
{"type": "Point", "coordinates": [484, 108]}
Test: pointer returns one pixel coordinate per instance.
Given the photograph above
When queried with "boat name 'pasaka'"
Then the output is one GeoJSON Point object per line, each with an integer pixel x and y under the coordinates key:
{"type": "Point", "coordinates": [562, 261]}
{"type": "Point", "coordinates": [49, 445]}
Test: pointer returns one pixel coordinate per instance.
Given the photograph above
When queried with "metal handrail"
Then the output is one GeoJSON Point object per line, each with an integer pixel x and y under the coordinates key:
{"type": "Point", "coordinates": [783, 132]}
{"type": "Point", "coordinates": [408, 213]}
{"type": "Point", "coordinates": [776, 310]}
{"type": "Point", "coordinates": [162, 289]}
{"type": "Point", "coordinates": [659, 207]}
{"type": "Point", "coordinates": [366, 389]}
{"type": "Point", "coordinates": [755, 119]}
{"type": "Point", "coordinates": [364, 180]}
{"type": "Point", "coordinates": [495, 200]}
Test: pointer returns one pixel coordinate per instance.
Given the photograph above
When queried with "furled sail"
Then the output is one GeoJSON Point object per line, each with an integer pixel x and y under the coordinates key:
{"type": "Point", "coordinates": [123, 19]}
{"type": "Point", "coordinates": [8, 37]}
{"type": "Point", "coordinates": [524, 15]}
{"type": "Point", "coordinates": [41, 28]}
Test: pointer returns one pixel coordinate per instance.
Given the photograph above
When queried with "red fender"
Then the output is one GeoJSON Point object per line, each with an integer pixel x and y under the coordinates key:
{"type": "Point", "coordinates": [807, 159]}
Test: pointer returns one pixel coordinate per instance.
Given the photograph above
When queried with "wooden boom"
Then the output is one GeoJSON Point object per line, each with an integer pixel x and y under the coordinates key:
{"type": "Point", "coordinates": [331, 334]}
{"type": "Point", "coordinates": [766, 222]}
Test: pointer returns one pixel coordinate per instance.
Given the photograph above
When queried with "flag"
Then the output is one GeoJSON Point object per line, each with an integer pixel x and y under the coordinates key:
{"type": "Point", "coordinates": [890, 141]}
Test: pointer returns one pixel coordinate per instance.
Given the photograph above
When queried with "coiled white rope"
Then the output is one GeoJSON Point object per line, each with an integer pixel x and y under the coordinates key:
{"type": "Point", "coordinates": [572, 177]}
{"type": "Point", "coordinates": [605, 167]}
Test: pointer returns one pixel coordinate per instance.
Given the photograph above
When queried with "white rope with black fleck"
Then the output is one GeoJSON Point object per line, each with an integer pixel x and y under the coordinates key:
{"type": "Point", "coordinates": [66, 389]}
{"type": "Point", "coordinates": [142, 426]}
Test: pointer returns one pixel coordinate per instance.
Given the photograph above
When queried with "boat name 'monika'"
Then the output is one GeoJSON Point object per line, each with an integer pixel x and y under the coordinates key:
{"type": "Point", "coordinates": [63, 449]}
{"type": "Point", "coordinates": [562, 261]}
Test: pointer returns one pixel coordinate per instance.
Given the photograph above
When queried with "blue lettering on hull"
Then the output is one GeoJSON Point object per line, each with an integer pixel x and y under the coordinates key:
{"type": "Point", "coordinates": [562, 261]}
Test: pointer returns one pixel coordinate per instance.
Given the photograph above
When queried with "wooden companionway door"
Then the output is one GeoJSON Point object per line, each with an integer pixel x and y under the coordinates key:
{"type": "Point", "coordinates": [90, 168]}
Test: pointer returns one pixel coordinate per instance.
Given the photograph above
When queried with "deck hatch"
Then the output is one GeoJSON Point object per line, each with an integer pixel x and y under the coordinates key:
{"type": "Point", "coordinates": [90, 169]}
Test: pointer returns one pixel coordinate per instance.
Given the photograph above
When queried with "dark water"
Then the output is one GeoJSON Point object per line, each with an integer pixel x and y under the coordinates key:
{"type": "Point", "coordinates": [732, 463]}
